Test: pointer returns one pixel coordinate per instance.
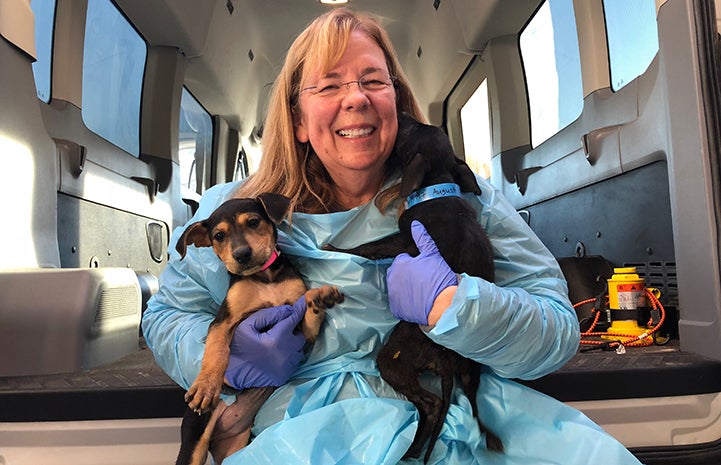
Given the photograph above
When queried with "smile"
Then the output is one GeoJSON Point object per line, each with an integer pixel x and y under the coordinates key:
{"type": "Point", "coordinates": [353, 133]}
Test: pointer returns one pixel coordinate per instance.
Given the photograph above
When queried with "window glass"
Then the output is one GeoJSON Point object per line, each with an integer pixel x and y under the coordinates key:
{"type": "Point", "coordinates": [476, 128]}
{"type": "Point", "coordinates": [196, 142]}
{"type": "Point", "coordinates": [44, 11]}
{"type": "Point", "coordinates": [241, 168]}
{"type": "Point", "coordinates": [113, 67]}
{"type": "Point", "coordinates": [632, 35]}
{"type": "Point", "coordinates": [552, 66]}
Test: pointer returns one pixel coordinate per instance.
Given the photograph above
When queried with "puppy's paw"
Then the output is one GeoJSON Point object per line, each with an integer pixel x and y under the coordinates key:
{"type": "Point", "coordinates": [324, 297]}
{"type": "Point", "coordinates": [203, 395]}
{"type": "Point", "coordinates": [317, 301]}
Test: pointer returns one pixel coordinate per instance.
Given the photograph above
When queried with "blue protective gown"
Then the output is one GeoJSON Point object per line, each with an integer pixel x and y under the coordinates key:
{"type": "Point", "coordinates": [336, 409]}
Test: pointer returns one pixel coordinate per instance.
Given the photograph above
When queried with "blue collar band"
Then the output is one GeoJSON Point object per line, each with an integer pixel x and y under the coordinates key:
{"type": "Point", "coordinates": [435, 191]}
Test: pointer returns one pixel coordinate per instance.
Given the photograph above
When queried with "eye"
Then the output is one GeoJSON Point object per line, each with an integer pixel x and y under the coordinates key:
{"type": "Point", "coordinates": [328, 89]}
{"type": "Point", "coordinates": [374, 84]}
{"type": "Point", "coordinates": [219, 236]}
{"type": "Point", "coordinates": [253, 223]}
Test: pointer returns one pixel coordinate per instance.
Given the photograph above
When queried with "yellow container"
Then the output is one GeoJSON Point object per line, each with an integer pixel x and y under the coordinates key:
{"type": "Point", "coordinates": [626, 291]}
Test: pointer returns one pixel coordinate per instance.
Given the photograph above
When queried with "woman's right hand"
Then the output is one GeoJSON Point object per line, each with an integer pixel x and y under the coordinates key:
{"type": "Point", "coordinates": [266, 348]}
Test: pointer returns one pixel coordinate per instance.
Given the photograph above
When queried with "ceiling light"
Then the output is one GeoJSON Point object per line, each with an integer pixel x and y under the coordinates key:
{"type": "Point", "coordinates": [333, 2]}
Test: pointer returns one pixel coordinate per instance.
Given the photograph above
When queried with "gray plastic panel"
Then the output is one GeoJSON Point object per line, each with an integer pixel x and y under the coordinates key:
{"type": "Point", "coordinates": [55, 321]}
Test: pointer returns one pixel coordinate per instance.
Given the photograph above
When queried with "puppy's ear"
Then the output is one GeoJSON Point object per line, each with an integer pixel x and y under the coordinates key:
{"type": "Point", "coordinates": [196, 234]}
{"type": "Point", "coordinates": [413, 174]}
{"type": "Point", "coordinates": [464, 177]}
{"type": "Point", "coordinates": [406, 125]}
{"type": "Point", "coordinates": [275, 205]}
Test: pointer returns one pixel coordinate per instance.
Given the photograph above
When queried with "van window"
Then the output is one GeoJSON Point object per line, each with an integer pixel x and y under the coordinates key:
{"type": "Point", "coordinates": [113, 68]}
{"type": "Point", "coordinates": [552, 67]}
{"type": "Point", "coordinates": [195, 142]}
{"type": "Point", "coordinates": [632, 35]}
{"type": "Point", "coordinates": [44, 12]}
{"type": "Point", "coordinates": [476, 127]}
{"type": "Point", "coordinates": [242, 169]}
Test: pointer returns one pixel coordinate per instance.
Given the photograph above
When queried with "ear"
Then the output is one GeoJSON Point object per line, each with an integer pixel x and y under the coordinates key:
{"type": "Point", "coordinates": [196, 234]}
{"type": "Point", "coordinates": [301, 133]}
{"type": "Point", "coordinates": [275, 205]}
{"type": "Point", "coordinates": [413, 174]}
{"type": "Point", "coordinates": [464, 177]}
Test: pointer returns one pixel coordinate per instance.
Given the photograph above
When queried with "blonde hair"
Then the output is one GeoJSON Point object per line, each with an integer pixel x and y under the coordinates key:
{"type": "Point", "coordinates": [292, 168]}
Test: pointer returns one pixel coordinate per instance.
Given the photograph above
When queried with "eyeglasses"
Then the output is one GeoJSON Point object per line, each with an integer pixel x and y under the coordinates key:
{"type": "Point", "coordinates": [330, 88]}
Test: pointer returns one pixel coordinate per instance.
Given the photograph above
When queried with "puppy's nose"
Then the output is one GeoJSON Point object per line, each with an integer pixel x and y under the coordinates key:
{"type": "Point", "coordinates": [242, 254]}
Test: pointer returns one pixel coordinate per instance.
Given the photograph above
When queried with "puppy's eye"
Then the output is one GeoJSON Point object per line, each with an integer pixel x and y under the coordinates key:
{"type": "Point", "coordinates": [219, 236]}
{"type": "Point", "coordinates": [254, 222]}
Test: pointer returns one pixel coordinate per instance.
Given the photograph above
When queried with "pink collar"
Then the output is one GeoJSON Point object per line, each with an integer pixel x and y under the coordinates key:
{"type": "Point", "coordinates": [273, 257]}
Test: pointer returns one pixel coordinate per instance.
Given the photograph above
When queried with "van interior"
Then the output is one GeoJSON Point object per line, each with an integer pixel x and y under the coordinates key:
{"type": "Point", "coordinates": [599, 120]}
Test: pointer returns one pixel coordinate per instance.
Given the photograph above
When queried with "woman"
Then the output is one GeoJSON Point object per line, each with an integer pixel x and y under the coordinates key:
{"type": "Point", "coordinates": [328, 139]}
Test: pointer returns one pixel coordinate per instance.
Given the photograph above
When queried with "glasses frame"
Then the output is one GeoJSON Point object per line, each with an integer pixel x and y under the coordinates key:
{"type": "Point", "coordinates": [360, 82]}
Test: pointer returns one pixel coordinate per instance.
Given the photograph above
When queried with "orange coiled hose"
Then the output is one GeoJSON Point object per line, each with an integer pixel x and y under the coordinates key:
{"type": "Point", "coordinates": [627, 340]}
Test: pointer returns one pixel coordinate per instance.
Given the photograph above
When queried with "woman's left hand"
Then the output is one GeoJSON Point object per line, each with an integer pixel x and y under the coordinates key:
{"type": "Point", "coordinates": [419, 286]}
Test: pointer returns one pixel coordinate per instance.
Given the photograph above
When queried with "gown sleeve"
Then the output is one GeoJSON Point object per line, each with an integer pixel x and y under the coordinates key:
{"type": "Point", "coordinates": [522, 325]}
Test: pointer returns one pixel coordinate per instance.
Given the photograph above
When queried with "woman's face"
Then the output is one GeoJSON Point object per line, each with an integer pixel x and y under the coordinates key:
{"type": "Point", "coordinates": [352, 127]}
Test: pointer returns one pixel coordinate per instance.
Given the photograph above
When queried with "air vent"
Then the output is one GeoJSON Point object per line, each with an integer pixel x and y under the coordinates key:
{"type": "Point", "coordinates": [117, 302]}
{"type": "Point", "coordinates": [661, 275]}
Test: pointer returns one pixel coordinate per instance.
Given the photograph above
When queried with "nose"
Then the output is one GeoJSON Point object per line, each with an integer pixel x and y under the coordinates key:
{"type": "Point", "coordinates": [354, 96]}
{"type": "Point", "coordinates": [242, 254]}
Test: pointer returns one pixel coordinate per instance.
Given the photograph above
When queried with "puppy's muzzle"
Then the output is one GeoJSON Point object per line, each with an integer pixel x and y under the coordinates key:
{"type": "Point", "coordinates": [242, 255]}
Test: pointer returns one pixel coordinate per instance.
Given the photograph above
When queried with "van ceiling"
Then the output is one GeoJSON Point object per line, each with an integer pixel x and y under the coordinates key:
{"type": "Point", "coordinates": [219, 43]}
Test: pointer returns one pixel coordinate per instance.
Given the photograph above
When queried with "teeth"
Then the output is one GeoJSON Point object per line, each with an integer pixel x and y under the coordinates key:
{"type": "Point", "coordinates": [355, 132]}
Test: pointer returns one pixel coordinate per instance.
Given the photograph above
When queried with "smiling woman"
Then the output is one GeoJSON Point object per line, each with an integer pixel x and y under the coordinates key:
{"type": "Point", "coordinates": [351, 129]}
{"type": "Point", "coordinates": [335, 139]}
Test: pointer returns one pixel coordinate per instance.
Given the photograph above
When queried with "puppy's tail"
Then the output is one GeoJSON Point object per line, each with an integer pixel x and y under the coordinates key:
{"type": "Point", "coordinates": [446, 390]}
{"type": "Point", "coordinates": [196, 431]}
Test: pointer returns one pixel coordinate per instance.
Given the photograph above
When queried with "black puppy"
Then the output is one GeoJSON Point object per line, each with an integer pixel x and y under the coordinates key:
{"type": "Point", "coordinates": [243, 235]}
{"type": "Point", "coordinates": [432, 179]}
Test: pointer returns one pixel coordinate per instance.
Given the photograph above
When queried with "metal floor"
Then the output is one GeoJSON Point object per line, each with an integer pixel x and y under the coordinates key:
{"type": "Point", "coordinates": [135, 387]}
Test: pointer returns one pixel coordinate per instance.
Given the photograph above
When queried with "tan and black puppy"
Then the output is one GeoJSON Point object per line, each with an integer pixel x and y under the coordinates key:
{"type": "Point", "coordinates": [243, 235]}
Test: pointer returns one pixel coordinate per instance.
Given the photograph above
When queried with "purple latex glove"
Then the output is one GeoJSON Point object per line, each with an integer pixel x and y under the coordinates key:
{"type": "Point", "coordinates": [415, 282]}
{"type": "Point", "coordinates": [266, 350]}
